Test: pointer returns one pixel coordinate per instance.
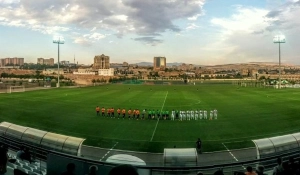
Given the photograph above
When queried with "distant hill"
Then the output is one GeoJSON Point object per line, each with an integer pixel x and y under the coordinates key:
{"type": "Point", "coordinates": [144, 64]}
{"type": "Point", "coordinates": [221, 65]}
{"type": "Point", "coordinates": [151, 64]}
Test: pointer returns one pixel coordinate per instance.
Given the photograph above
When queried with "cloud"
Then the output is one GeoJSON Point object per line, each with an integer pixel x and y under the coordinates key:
{"type": "Point", "coordinates": [247, 34]}
{"type": "Point", "coordinates": [149, 40]}
{"type": "Point", "coordinates": [82, 41]}
{"type": "Point", "coordinates": [95, 36]}
{"type": "Point", "coordinates": [9, 1]}
{"type": "Point", "coordinates": [143, 18]}
{"type": "Point", "coordinates": [245, 19]}
{"type": "Point", "coordinates": [285, 18]}
{"type": "Point", "coordinates": [192, 26]}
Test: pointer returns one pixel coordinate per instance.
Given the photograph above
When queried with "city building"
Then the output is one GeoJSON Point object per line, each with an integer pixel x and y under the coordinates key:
{"type": "Point", "coordinates": [102, 66]}
{"type": "Point", "coordinates": [53, 71]}
{"type": "Point", "coordinates": [66, 63]}
{"type": "Point", "coordinates": [106, 72]}
{"type": "Point", "coordinates": [159, 63]}
{"type": "Point", "coordinates": [101, 62]}
{"type": "Point", "coordinates": [43, 61]}
{"type": "Point", "coordinates": [11, 62]}
{"type": "Point", "coordinates": [82, 71]}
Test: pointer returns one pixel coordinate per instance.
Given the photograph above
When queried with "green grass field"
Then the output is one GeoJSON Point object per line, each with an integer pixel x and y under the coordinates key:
{"type": "Point", "coordinates": [243, 114]}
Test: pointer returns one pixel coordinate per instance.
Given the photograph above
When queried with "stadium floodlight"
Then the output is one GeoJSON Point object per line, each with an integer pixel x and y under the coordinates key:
{"type": "Point", "coordinates": [58, 40]}
{"type": "Point", "coordinates": [278, 39]}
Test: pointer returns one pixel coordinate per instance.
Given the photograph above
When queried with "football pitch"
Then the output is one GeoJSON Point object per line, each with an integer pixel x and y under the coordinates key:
{"type": "Point", "coordinates": [244, 113]}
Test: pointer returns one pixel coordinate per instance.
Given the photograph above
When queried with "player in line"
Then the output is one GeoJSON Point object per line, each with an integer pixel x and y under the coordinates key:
{"type": "Point", "coordinates": [164, 114]}
{"type": "Point", "coordinates": [97, 110]}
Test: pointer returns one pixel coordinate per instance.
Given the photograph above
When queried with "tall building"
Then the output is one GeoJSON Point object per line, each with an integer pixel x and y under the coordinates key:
{"type": "Point", "coordinates": [159, 63]}
{"type": "Point", "coordinates": [43, 61]}
{"type": "Point", "coordinates": [101, 62]}
{"type": "Point", "coordinates": [11, 61]}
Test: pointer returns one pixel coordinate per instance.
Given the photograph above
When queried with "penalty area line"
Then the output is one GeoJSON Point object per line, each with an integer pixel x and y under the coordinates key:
{"type": "Point", "coordinates": [158, 118]}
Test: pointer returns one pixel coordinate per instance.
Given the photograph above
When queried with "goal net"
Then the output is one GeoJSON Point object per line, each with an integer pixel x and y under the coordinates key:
{"type": "Point", "coordinates": [12, 89]}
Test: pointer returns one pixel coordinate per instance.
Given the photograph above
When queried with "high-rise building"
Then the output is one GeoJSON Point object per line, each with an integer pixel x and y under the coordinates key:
{"type": "Point", "coordinates": [43, 61]}
{"type": "Point", "coordinates": [101, 62]}
{"type": "Point", "coordinates": [12, 61]}
{"type": "Point", "coordinates": [159, 63]}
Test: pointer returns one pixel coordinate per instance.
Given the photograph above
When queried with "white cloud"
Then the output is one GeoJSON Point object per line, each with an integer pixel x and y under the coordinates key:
{"type": "Point", "coordinates": [93, 29]}
{"type": "Point", "coordinates": [245, 19]}
{"type": "Point", "coordinates": [96, 36]}
{"type": "Point", "coordinates": [147, 18]}
{"type": "Point", "coordinates": [82, 41]}
{"type": "Point", "coordinates": [247, 34]}
{"type": "Point", "coordinates": [192, 26]}
{"type": "Point", "coordinates": [194, 18]}
{"type": "Point", "coordinates": [9, 1]}
{"type": "Point", "coordinates": [121, 17]}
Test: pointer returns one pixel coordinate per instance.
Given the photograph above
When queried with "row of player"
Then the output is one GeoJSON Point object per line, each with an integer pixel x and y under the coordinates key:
{"type": "Point", "coordinates": [152, 114]}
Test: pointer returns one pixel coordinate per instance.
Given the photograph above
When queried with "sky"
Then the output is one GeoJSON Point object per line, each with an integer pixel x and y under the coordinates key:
{"type": "Point", "coordinates": [201, 32]}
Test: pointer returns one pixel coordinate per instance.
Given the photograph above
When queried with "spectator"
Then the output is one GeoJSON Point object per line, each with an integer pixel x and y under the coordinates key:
{"type": "Point", "coordinates": [238, 173]}
{"type": "Point", "coordinates": [286, 169]}
{"type": "Point", "coordinates": [292, 165]}
{"type": "Point", "coordinates": [123, 170]}
{"type": "Point", "coordinates": [298, 168]}
{"type": "Point", "coordinates": [278, 169]}
{"type": "Point", "coordinates": [199, 146]}
{"type": "Point", "coordinates": [19, 172]}
{"type": "Point", "coordinates": [3, 159]}
{"type": "Point", "coordinates": [70, 169]}
{"type": "Point", "coordinates": [93, 170]}
{"type": "Point", "coordinates": [260, 170]}
{"type": "Point", "coordinates": [200, 173]}
{"type": "Point", "coordinates": [20, 153]}
{"type": "Point", "coordinates": [27, 155]}
{"type": "Point", "coordinates": [250, 171]}
{"type": "Point", "coordinates": [219, 172]}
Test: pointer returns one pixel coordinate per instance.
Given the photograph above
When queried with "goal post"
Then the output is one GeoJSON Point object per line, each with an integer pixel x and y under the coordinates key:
{"type": "Point", "coordinates": [12, 89]}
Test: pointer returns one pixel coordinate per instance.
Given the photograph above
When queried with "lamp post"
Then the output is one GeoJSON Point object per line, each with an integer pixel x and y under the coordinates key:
{"type": "Point", "coordinates": [279, 39]}
{"type": "Point", "coordinates": [58, 40]}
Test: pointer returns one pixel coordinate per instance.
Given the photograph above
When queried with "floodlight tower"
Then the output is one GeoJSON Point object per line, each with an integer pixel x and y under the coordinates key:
{"type": "Point", "coordinates": [58, 40]}
{"type": "Point", "coordinates": [279, 39]}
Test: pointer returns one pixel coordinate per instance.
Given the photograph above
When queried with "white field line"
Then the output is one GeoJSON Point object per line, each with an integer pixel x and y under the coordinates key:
{"type": "Point", "coordinates": [230, 152]}
{"type": "Point", "coordinates": [232, 155]}
{"type": "Point", "coordinates": [109, 151]}
{"type": "Point", "coordinates": [158, 118]}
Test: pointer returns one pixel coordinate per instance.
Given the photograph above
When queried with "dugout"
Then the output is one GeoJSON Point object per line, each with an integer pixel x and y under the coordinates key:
{"type": "Point", "coordinates": [279, 144]}
{"type": "Point", "coordinates": [180, 157]}
{"type": "Point", "coordinates": [57, 142]}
